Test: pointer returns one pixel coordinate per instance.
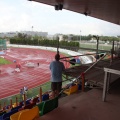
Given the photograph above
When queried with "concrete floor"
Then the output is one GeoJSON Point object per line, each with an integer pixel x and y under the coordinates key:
{"type": "Point", "coordinates": [88, 106]}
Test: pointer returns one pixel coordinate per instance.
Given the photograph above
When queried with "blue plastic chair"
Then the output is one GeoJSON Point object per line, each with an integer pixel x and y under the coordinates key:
{"type": "Point", "coordinates": [28, 101]}
{"type": "Point", "coordinates": [16, 108]}
{"type": "Point", "coordinates": [6, 116]}
{"type": "Point", "coordinates": [45, 97]}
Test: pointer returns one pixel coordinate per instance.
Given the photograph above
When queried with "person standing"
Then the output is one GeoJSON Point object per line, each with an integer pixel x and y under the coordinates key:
{"type": "Point", "coordinates": [57, 68]}
{"type": "Point", "coordinates": [38, 64]}
{"type": "Point", "coordinates": [19, 65]}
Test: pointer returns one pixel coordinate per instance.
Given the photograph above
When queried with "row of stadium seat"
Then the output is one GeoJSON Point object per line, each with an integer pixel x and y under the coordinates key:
{"type": "Point", "coordinates": [34, 111]}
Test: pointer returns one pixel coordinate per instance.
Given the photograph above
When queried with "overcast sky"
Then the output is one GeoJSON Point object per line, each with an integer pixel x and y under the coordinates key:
{"type": "Point", "coordinates": [21, 15]}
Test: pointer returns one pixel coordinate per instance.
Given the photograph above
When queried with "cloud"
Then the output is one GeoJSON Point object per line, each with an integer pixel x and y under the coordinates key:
{"type": "Point", "coordinates": [21, 15]}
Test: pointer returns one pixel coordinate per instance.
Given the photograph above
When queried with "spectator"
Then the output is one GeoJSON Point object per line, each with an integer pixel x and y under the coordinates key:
{"type": "Point", "coordinates": [25, 89]}
{"type": "Point", "coordinates": [21, 91]}
{"type": "Point", "coordinates": [57, 69]}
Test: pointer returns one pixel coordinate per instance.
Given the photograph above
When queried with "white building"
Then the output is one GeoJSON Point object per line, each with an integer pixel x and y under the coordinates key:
{"type": "Point", "coordinates": [32, 33]}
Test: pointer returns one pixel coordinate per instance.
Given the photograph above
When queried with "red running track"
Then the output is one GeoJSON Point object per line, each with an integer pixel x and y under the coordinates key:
{"type": "Point", "coordinates": [11, 82]}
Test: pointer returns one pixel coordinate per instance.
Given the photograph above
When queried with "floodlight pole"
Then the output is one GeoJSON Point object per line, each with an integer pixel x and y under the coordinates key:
{"type": "Point", "coordinates": [32, 33]}
{"type": "Point", "coordinates": [97, 38]}
{"type": "Point", "coordinates": [97, 44]}
{"type": "Point", "coordinates": [32, 28]}
{"type": "Point", "coordinates": [112, 52]}
{"type": "Point", "coordinates": [80, 36]}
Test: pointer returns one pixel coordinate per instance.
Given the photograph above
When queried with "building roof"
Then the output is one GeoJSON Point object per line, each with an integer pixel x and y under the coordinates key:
{"type": "Point", "coordinates": [108, 10]}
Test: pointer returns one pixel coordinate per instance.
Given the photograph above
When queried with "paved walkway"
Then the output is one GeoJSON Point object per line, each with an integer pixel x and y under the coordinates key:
{"type": "Point", "coordinates": [88, 106]}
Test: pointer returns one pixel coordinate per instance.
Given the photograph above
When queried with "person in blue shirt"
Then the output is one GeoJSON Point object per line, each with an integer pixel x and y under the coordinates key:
{"type": "Point", "coordinates": [57, 68]}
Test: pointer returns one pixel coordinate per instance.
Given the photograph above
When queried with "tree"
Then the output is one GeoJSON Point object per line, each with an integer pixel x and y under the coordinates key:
{"type": "Point", "coordinates": [65, 37]}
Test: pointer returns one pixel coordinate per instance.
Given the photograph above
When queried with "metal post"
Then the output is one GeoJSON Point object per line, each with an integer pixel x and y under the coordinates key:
{"type": "Point", "coordinates": [83, 80]}
{"type": "Point", "coordinates": [97, 38]}
{"type": "Point", "coordinates": [16, 101]}
{"type": "Point", "coordinates": [0, 106]}
{"type": "Point", "coordinates": [112, 51]}
{"type": "Point", "coordinates": [107, 76]}
{"type": "Point", "coordinates": [4, 106]}
{"type": "Point", "coordinates": [58, 45]}
{"type": "Point", "coordinates": [24, 98]}
{"type": "Point", "coordinates": [105, 87]}
{"type": "Point", "coordinates": [108, 82]}
{"type": "Point", "coordinates": [10, 103]}
{"type": "Point", "coordinates": [40, 94]}
{"type": "Point", "coordinates": [97, 45]}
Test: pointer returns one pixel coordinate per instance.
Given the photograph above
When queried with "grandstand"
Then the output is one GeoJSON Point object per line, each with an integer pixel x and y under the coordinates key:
{"type": "Point", "coordinates": [30, 76]}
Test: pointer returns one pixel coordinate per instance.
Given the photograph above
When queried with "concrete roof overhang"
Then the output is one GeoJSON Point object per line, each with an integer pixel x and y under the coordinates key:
{"type": "Point", "coordinates": [107, 10]}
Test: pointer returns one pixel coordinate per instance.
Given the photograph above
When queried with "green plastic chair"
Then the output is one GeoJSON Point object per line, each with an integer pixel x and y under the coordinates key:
{"type": "Point", "coordinates": [50, 105]}
{"type": "Point", "coordinates": [40, 106]}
